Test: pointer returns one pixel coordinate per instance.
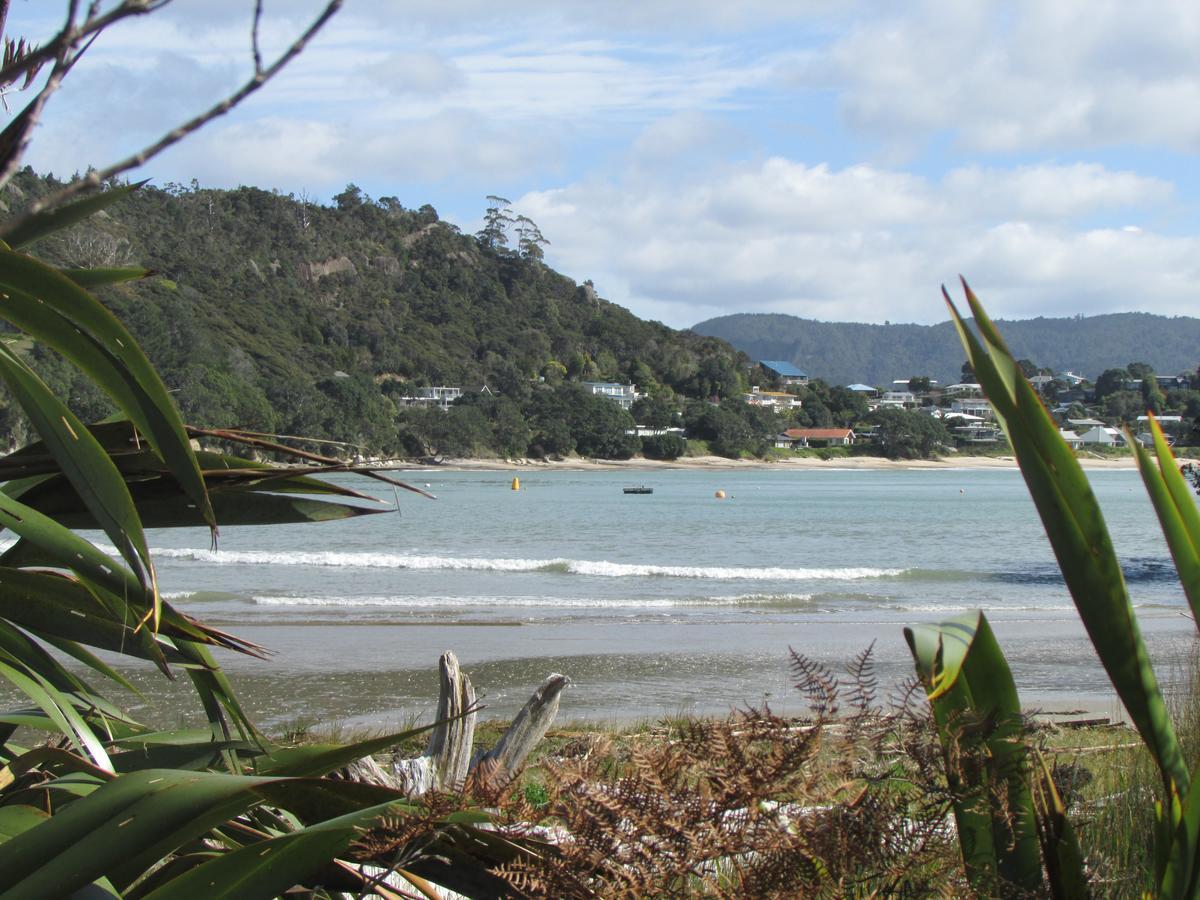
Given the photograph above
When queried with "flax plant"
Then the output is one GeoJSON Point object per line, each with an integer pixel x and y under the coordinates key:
{"type": "Point", "coordinates": [1019, 837]}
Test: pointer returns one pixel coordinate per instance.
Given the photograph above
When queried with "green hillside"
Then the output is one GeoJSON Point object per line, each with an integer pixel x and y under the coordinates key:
{"type": "Point", "coordinates": [279, 315]}
{"type": "Point", "coordinates": [847, 352]}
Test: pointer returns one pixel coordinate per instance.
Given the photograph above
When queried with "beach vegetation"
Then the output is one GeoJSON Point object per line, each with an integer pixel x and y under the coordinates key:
{"type": "Point", "coordinates": [92, 802]}
{"type": "Point", "coordinates": [908, 434]}
{"type": "Point", "coordinates": [1014, 829]}
{"type": "Point", "coordinates": [663, 446]}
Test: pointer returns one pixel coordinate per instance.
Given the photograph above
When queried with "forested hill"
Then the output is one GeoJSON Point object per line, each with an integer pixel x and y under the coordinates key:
{"type": "Point", "coordinates": [285, 316]}
{"type": "Point", "coordinates": [848, 352]}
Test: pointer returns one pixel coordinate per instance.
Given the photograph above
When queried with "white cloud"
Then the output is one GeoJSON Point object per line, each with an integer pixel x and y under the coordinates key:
{"type": "Point", "coordinates": [420, 73]}
{"type": "Point", "coordinates": [1015, 76]}
{"type": "Point", "coordinates": [322, 157]}
{"type": "Point", "coordinates": [1052, 192]}
{"type": "Point", "coordinates": [660, 150]}
{"type": "Point", "coordinates": [867, 244]}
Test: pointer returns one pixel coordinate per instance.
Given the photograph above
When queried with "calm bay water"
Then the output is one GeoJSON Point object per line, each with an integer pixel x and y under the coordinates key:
{"type": "Point", "coordinates": [670, 602]}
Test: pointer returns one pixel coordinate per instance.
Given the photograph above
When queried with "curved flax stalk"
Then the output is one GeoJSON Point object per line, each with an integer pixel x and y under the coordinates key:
{"type": "Point", "coordinates": [1075, 527]}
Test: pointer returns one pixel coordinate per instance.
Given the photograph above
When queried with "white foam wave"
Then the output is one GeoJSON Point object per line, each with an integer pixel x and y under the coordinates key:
{"type": "Point", "coordinates": [461, 603]}
{"type": "Point", "coordinates": [959, 608]}
{"type": "Point", "coordinates": [593, 568]}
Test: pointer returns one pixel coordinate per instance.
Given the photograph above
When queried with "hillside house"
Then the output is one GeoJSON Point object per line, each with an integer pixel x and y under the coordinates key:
{"type": "Point", "coordinates": [777, 401]}
{"type": "Point", "coordinates": [801, 438]}
{"type": "Point", "coordinates": [900, 399]}
{"type": "Point", "coordinates": [623, 395]}
{"type": "Point", "coordinates": [440, 396]}
{"type": "Point", "coordinates": [1174, 382]}
{"type": "Point", "coordinates": [962, 389]}
{"type": "Point", "coordinates": [972, 406]}
{"type": "Point", "coordinates": [785, 372]}
{"type": "Point", "coordinates": [863, 389]}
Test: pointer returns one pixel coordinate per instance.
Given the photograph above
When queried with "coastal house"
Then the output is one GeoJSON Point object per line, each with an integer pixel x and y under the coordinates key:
{"type": "Point", "coordinates": [972, 406]}
{"type": "Point", "coordinates": [653, 431]}
{"type": "Point", "coordinates": [962, 389]}
{"type": "Point", "coordinates": [1102, 436]}
{"type": "Point", "coordinates": [1071, 439]}
{"type": "Point", "coordinates": [900, 399]}
{"type": "Point", "coordinates": [1146, 439]}
{"type": "Point", "coordinates": [785, 372]}
{"type": "Point", "coordinates": [440, 396]}
{"type": "Point", "coordinates": [799, 438]}
{"type": "Point", "coordinates": [622, 394]}
{"type": "Point", "coordinates": [1174, 382]}
{"type": "Point", "coordinates": [977, 431]}
{"type": "Point", "coordinates": [864, 389]}
{"type": "Point", "coordinates": [778, 401]}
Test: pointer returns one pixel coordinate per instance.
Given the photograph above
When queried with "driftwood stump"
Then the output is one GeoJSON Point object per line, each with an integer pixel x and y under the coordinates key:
{"type": "Point", "coordinates": [449, 758]}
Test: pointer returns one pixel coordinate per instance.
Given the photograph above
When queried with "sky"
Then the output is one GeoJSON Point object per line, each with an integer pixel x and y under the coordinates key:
{"type": "Point", "coordinates": [832, 160]}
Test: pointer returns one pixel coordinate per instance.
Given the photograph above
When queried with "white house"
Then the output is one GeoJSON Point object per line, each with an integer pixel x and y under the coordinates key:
{"type": "Point", "coordinates": [1103, 436]}
{"type": "Point", "coordinates": [972, 406]}
{"type": "Point", "coordinates": [439, 396]}
{"type": "Point", "coordinates": [963, 388]}
{"type": "Point", "coordinates": [1071, 438]}
{"type": "Point", "coordinates": [774, 400]}
{"type": "Point", "coordinates": [621, 394]}
{"type": "Point", "coordinates": [902, 399]}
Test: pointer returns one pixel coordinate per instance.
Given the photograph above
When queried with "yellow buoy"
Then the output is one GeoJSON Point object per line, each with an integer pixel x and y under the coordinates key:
{"type": "Point", "coordinates": [516, 484]}
{"type": "Point", "coordinates": [720, 495]}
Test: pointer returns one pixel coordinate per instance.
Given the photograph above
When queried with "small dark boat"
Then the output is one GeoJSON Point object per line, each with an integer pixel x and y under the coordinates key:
{"type": "Point", "coordinates": [638, 489]}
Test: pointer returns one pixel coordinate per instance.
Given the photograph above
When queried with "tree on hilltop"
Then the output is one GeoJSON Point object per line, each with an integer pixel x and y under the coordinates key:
{"type": "Point", "coordinates": [496, 220]}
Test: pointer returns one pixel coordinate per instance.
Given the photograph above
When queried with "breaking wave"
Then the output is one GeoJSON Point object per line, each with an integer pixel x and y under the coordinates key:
{"type": "Point", "coordinates": [592, 568]}
{"type": "Point", "coordinates": [459, 603]}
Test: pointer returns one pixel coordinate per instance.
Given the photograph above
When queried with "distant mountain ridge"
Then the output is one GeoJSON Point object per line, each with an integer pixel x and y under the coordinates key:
{"type": "Point", "coordinates": [849, 352]}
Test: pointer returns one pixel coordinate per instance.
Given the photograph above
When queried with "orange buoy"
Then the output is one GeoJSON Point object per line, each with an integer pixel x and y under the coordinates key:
{"type": "Point", "coordinates": [720, 495]}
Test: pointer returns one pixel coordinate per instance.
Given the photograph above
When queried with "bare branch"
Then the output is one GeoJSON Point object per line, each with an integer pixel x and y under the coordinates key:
{"type": "Point", "coordinates": [97, 177]}
{"type": "Point", "coordinates": [15, 137]}
{"type": "Point", "coordinates": [70, 35]}
{"type": "Point", "coordinates": [258, 8]}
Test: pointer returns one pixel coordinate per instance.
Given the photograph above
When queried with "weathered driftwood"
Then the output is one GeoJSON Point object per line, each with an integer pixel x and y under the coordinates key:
{"type": "Point", "coordinates": [449, 758]}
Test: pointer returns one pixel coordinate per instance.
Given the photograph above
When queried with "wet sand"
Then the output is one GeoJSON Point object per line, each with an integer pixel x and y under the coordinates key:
{"type": "Point", "coordinates": [385, 677]}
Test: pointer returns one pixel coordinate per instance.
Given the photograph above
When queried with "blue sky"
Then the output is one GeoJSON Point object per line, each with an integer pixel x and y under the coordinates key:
{"type": "Point", "coordinates": [833, 160]}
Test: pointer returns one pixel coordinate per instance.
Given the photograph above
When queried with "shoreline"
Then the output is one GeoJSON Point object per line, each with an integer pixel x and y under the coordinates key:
{"type": "Point", "coordinates": [640, 464]}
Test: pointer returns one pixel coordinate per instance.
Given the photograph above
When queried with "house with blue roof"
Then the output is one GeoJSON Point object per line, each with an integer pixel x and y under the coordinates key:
{"type": "Point", "coordinates": [784, 371]}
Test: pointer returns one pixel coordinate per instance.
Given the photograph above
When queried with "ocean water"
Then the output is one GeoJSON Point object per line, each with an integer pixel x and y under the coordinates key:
{"type": "Point", "coordinates": [652, 604]}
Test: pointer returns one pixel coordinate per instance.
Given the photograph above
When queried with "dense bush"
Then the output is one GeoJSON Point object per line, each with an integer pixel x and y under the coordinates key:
{"type": "Point", "coordinates": [663, 446]}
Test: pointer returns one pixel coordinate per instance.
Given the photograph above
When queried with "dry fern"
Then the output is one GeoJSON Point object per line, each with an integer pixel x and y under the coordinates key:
{"type": "Point", "coordinates": [755, 805]}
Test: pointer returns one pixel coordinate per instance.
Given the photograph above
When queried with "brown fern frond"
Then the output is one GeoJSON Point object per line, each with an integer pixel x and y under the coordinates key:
{"type": "Point", "coordinates": [864, 684]}
{"type": "Point", "coordinates": [817, 682]}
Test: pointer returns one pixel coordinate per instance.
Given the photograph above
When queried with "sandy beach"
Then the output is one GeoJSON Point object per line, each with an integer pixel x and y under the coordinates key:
{"type": "Point", "coordinates": [720, 462]}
